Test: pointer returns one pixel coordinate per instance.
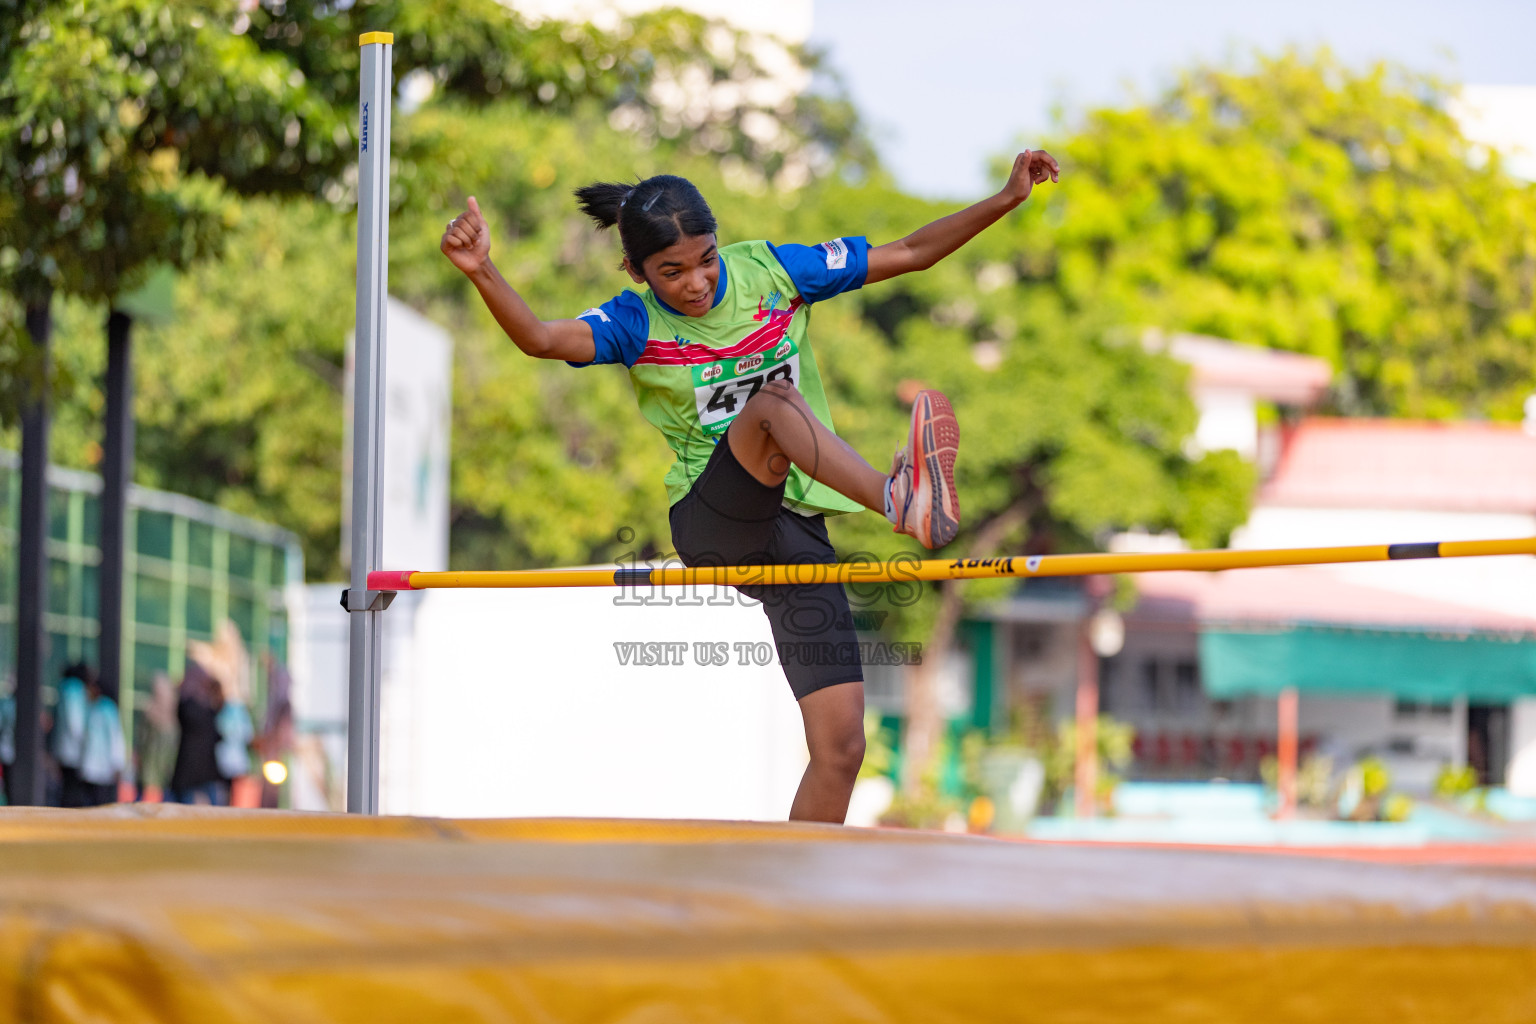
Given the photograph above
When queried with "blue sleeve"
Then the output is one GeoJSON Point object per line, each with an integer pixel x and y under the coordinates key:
{"type": "Point", "coordinates": [822, 271]}
{"type": "Point", "coordinates": [619, 327]}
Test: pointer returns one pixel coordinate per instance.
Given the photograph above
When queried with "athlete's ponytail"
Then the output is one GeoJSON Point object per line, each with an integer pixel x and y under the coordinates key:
{"type": "Point", "coordinates": [651, 214]}
{"type": "Point", "coordinates": [602, 201]}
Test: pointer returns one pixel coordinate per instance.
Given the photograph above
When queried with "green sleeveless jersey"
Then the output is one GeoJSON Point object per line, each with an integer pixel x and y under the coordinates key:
{"type": "Point", "coordinates": [693, 375]}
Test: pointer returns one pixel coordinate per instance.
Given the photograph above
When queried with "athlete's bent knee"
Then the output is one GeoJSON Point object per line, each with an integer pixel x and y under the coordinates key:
{"type": "Point", "coordinates": [844, 755]}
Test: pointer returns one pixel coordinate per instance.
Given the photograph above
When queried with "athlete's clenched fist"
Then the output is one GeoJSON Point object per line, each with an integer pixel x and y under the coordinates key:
{"type": "Point", "coordinates": [467, 240]}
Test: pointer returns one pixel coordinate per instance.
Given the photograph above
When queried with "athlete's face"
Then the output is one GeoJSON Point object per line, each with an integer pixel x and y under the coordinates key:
{"type": "Point", "coordinates": [684, 275]}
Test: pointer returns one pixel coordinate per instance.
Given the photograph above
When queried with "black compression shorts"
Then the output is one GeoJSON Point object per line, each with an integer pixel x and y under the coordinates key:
{"type": "Point", "coordinates": [728, 517]}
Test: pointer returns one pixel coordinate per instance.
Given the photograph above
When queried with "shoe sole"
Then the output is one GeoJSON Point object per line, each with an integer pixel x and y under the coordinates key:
{"type": "Point", "coordinates": [934, 444]}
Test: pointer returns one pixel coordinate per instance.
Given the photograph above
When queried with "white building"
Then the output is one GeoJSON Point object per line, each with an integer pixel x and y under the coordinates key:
{"type": "Point", "coordinates": [1347, 482]}
{"type": "Point", "coordinates": [1424, 663]}
{"type": "Point", "coordinates": [1343, 482]}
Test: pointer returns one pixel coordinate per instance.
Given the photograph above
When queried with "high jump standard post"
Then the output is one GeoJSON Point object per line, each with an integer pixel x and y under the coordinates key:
{"type": "Point", "coordinates": [367, 541]}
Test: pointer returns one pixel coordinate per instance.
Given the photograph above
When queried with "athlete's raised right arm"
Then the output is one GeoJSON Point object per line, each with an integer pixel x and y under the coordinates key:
{"type": "Point", "coordinates": [467, 244]}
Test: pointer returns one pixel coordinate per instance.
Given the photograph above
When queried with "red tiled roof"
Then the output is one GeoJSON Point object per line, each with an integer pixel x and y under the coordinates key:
{"type": "Point", "coordinates": [1460, 467]}
{"type": "Point", "coordinates": [1283, 377]}
{"type": "Point", "coordinates": [1287, 596]}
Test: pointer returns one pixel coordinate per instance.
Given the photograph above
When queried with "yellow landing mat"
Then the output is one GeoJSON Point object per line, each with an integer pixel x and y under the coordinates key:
{"type": "Point", "coordinates": [139, 914]}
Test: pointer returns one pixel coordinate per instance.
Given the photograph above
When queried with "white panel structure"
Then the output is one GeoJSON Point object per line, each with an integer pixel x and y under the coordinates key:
{"type": "Point", "coordinates": [418, 404]}
{"type": "Point", "coordinates": [522, 705]}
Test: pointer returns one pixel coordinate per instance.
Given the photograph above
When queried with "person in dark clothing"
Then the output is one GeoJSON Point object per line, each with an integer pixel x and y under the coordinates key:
{"type": "Point", "coordinates": [197, 769]}
{"type": "Point", "coordinates": [66, 737]}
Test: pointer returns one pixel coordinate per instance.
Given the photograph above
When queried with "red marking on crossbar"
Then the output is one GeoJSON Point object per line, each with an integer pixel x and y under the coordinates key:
{"type": "Point", "coordinates": [390, 579]}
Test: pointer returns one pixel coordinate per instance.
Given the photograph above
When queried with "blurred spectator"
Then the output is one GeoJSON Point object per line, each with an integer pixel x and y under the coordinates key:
{"type": "Point", "coordinates": [66, 740]}
{"type": "Point", "coordinates": [195, 777]}
{"type": "Point", "coordinates": [236, 732]}
{"type": "Point", "coordinates": [156, 741]}
{"type": "Point", "coordinates": [8, 735]}
{"type": "Point", "coordinates": [228, 662]}
{"type": "Point", "coordinates": [276, 740]}
{"type": "Point", "coordinates": [103, 754]}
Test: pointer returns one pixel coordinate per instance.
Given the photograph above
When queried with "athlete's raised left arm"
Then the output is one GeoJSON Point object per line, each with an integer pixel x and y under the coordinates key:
{"type": "Point", "coordinates": [932, 242]}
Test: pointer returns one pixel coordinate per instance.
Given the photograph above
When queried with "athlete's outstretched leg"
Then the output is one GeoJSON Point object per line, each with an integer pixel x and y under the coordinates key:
{"type": "Point", "coordinates": [834, 734]}
{"type": "Point", "coordinates": [776, 429]}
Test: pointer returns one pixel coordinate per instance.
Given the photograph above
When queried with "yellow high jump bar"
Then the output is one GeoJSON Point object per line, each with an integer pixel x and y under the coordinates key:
{"type": "Point", "coordinates": [901, 569]}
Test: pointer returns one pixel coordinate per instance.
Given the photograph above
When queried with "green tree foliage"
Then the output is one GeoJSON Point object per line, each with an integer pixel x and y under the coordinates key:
{"type": "Point", "coordinates": [239, 402]}
{"type": "Point", "coordinates": [1080, 428]}
{"type": "Point", "coordinates": [1089, 430]}
{"type": "Point", "coordinates": [1295, 205]}
{"type": "Point", "coordinates": [124, 124]}
{"type": "Point", "coordinates": [99, 104]}
{"type": "Point", "coordinates": [646, 75]}
{"type": "Point", "coordinates": [240, 397]}
{"type": "Point", "coordinates": [1305, 207]}
{"type": "Point", "coordinates": [101, 107]}
{"type": "Point", "coordinates": [1071, 428]}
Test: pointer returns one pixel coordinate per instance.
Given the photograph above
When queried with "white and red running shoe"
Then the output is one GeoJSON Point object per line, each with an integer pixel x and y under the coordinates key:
{"type": "Point", "coordinates": [923, 474]}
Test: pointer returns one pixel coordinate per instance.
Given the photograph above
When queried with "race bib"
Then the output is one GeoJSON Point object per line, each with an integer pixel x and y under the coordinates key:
{"type": "Point", "coordinates": [721, 388]}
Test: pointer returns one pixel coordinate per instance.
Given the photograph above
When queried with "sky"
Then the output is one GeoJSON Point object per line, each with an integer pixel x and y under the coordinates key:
{"type": "Point", "coordinates": [946, 84]}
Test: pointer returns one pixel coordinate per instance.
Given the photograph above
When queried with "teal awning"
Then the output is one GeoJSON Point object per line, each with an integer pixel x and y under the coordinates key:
{"type": "Point", "coordinates": [1411, 665]}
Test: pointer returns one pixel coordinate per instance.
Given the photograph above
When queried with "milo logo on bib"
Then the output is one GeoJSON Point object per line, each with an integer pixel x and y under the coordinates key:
{"type": "Point", "coordinates": [722, 387]}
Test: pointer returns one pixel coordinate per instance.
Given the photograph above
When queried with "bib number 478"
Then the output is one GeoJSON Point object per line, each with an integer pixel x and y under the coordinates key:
{"type": "Point", "coordinates": [725, 398]}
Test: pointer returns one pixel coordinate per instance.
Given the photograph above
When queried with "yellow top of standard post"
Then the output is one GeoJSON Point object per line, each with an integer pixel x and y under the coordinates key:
{"type": "Point", "coordinates": [388, 38]}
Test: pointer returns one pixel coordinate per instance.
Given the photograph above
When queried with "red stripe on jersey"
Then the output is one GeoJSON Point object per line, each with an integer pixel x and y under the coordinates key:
{"type": "Point", "coordinates": [669, 353]}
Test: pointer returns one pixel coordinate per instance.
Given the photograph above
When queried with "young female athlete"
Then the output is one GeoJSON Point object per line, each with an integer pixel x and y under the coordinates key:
{"type": "Point", "coordinates": [719, 353]}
